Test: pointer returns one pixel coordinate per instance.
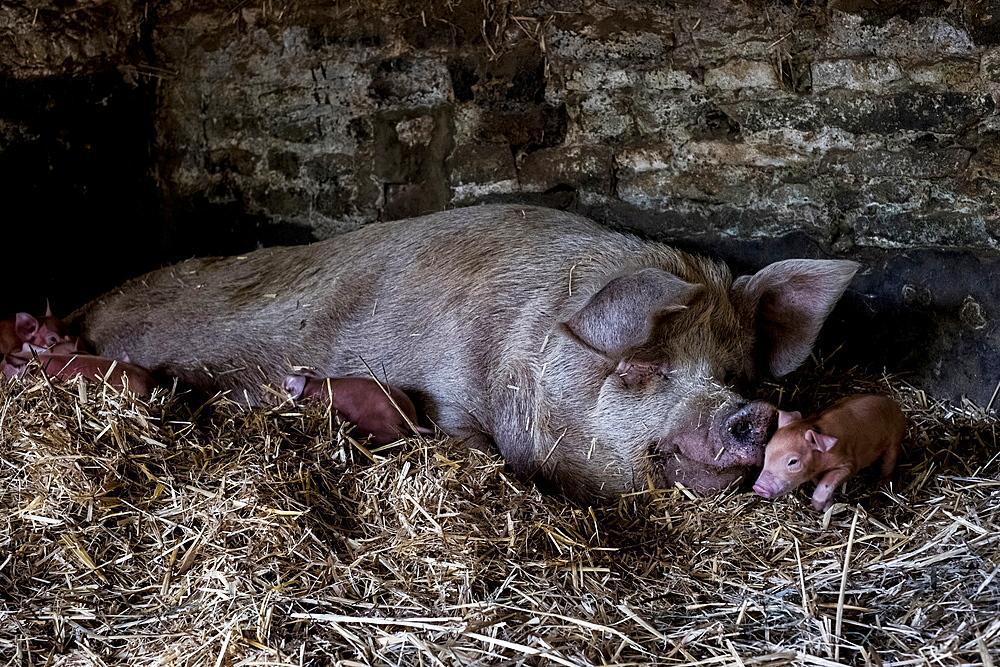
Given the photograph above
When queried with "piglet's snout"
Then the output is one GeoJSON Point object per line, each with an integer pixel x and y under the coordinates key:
{"type": "Point", "coordinates": [762, 489]}
{"type": "Point", "coordinates": [770, 486]}
{"type": "Point", "coordinates": [748, 430]}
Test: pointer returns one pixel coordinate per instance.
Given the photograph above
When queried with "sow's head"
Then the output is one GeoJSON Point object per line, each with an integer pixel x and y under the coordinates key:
{"type": "Point", "coordinates": [656, 359]}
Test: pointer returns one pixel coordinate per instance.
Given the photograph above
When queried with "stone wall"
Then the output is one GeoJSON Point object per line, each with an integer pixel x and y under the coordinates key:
{"type": "Point", "coordinates": [752, 130]}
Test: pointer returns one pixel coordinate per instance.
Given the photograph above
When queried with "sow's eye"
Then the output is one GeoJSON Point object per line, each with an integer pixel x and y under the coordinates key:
{"type": "Point", "coordinates": [792, 462]}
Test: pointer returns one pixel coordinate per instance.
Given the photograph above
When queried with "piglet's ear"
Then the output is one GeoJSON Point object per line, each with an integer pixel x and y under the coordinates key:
{"type": "Point", "coordinates": [820, 442]}
{"type": "Point", "coordinates": [622, 314]}
{"type": "Point", "coordinates": [48, 309]}
{"type": "Point", "coordinates": [789, 302]}
{"type": "Point", "coordinates": [786, 418]}
{"type": "Point", "coordinates": [25, 325]}
{"type": "Point", "coordinates": [294, 385]}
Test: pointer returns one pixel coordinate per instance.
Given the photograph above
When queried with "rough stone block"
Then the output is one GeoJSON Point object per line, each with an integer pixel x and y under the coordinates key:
{"type": "Point", "coordinates": [946, 73]}
{"type": "Point", "coordinates": [853, 35]}
{"type": "Point", "coordinates": [984, 20]}
{"type": "Point", "coordinates": [869, 74]}
{"type": "Point", "coordinates": [922, 111]}
{"type": "Point", "coordinates": [738, 153]}
{"type": "Point", "coordinates": [296, 130]}
{"type": "Point", "coordinates": [667, 111]}
{"type": "Point", "coordinates": [619, 45]}
{"type": "Point", "coordinates": [580, 167]}
{"type": "Point", "coordinates": [729, 185]}
{"type": "Point", "coordinates": [597, 76]}
{"type": "Point", "coordinates": [599, 116]}
{"type": "Point", "coordinates": [405, 159]}
{"type": "Point", "coordinates": [405, 200]}
{"type": "Point", "coordinates": [283, 162]}
{"type": "Point", "coordinates": [946, 228]}
{"type": "Point", "coordinates": [282, 202]}
{"type": "Point", "coordinates": [415, 131]}
{"type": "Point", "coordinates": [411, 81]}
{"type": "Point", "coordinates": [483, 164]}
{"type": "Point", "coordinates": [667, 79]}
{"type": "Point", "coordinates": [906, 163]}
{"type": "Point", "coordinates": [651, 157]}
{"type": "Point", "coordinates": [989, 65]}
{"type": "Point", "coordinates": [329, 168]}
{"type": "Point", "coordinates": [525, 127]}
{"type": "Point", "coordinates": [740, 73]}
{"type": "Point", "coordinates": [233, 160]}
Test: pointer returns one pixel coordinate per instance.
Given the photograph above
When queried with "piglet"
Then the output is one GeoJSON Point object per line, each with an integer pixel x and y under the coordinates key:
{"type": "Point", "coordinates": [40, 332]}
{"type": "Point", "coordinates": [362, 402]}
{"type": "Point", "coordinates": [831, 447]}
{"type": "Point", "coordinates": [67, 360]}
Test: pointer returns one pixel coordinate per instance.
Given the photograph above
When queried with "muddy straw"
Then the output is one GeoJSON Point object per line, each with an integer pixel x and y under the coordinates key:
{"type": "Point", "coordinates": [136, 534]}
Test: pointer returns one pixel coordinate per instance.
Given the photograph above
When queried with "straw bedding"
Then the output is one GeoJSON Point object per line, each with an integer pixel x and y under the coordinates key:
{"type": "Point", "coordinates": [148, 534]}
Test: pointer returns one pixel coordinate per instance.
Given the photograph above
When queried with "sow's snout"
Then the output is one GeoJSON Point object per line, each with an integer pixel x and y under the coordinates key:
{"type": "Point", "coordinates": [742, 434]}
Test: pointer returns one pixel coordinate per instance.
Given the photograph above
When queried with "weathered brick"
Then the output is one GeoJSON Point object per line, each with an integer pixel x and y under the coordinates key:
{"type": "Point", "coordinates": [989, 65]}
{"type": "Point", "coordinates": [854, 35]}
{"type": "Point", "coordinates": [234, 160]}
{"type": "Point", "coordinates": [740, 73]}
{"type": "Point", "coordinates": [580, 167]}
{"type": "Point", "coordinates": [596, 76]}
{"type": "Point", "coordinates": [907, 163]}
{"type": "Point", "coordinates": [951, 72]}
{"type": "Point", "coordinates": [576, 44]}
{"type": "Point", "coordinates": [656, 111]}
{"type": "Point", "coordinates": [942, 112]}
{"type": "Point", "coordinates": [599, 116]}
{"type": "Point", "coordinates": [667, 79]}
{"type": "Point", "coordinates": [481, 164]}
{"type": "Point", "coordinates": [738, 153]}
{"type": "Point", "coordinates": [283, 162]}
{"type": "Point", "coordinates": [415, 131]}
{"type": "Point", "coordinates": [984, 20]}
{"type": "Point", "coordinates": [869, 74]}
{"type": "Point", "coordinates": [411, 81]}
{"type": "Point", "coordinates": [954, 228]}
{"type": "Point", "coordinates": [281, 201]}
{"type": "Point", "coordinates": [329, 168]}
{"type": "Point", "coordinates": [651, 157]}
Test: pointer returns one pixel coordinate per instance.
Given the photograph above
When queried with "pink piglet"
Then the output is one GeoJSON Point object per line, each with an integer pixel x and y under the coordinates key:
{"type": "Point", "coordinates": [831, 447]}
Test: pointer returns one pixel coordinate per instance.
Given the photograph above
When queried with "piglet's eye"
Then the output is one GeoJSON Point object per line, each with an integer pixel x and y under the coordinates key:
{"type": "Point", "coordinates": [792, 462]}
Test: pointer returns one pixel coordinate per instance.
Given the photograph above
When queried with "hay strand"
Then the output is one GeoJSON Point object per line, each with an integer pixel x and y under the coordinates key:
{"type": "Point", "coordinates": [145, 534]}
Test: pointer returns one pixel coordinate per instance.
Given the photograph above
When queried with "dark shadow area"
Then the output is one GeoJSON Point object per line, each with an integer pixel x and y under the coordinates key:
{"type": "Point", "coordinates": [77, 190]}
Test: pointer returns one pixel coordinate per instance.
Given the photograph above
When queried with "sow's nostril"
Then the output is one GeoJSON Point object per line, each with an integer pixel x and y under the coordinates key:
{"type": "Point", "coordinates": [749, 429]}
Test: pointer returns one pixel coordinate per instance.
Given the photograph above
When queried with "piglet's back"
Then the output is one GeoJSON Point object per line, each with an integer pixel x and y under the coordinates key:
{"type": "Point", "coordinates": [877, 417]}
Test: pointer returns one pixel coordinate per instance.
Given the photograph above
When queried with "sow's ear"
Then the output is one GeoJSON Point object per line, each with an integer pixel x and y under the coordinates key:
{"type": "Point", "coordinates": [790, 301]}
{"type": "Point", "coordinates": [622, 314]}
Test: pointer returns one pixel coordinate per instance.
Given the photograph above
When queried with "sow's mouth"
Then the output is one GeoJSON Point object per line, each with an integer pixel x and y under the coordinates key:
{"type": "Point", "coordinates": [711, 458]}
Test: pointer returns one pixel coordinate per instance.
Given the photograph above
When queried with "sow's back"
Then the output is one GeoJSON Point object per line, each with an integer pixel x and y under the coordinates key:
{"type": "Point", "coordinates": [596, 362]}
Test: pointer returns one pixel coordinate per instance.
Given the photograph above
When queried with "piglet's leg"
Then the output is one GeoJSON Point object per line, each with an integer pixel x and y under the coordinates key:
{"type": "Point", "coordinates": [888, 464]}
{"type": "Point", "coordinates": [822, 498]}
